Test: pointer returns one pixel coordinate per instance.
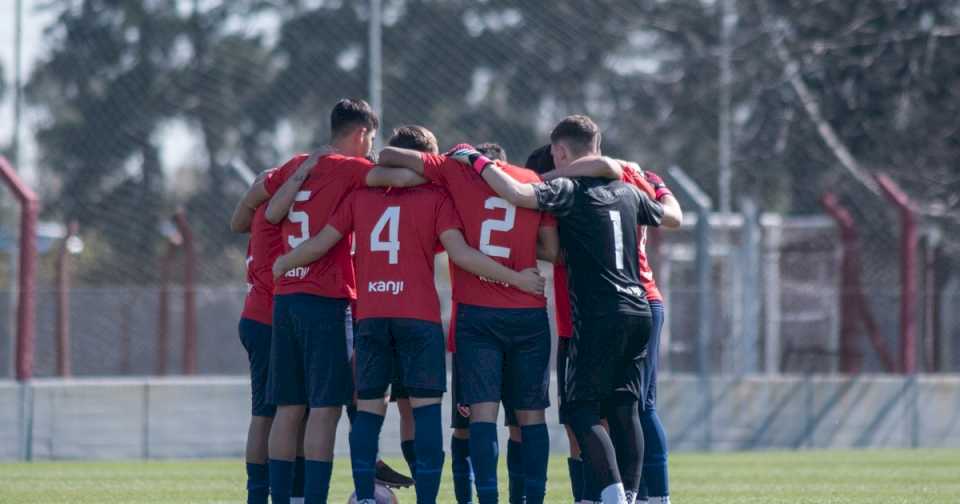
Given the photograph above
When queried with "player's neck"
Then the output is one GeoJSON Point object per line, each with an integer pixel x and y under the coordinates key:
{"type": "Point", "coordinates": [345, 147]}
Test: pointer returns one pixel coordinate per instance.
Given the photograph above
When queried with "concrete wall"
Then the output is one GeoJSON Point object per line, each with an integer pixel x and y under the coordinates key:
{"type": "Point", "coordinates": [207, 417]}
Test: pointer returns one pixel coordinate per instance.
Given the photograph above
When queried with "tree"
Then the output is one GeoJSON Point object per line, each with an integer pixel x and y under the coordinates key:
{"type": "Point", "coordinates": [104, 89]}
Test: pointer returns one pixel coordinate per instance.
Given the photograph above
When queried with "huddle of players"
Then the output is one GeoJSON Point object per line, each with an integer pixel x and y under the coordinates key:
{"type": "Point", "coordinates": [494, 220]}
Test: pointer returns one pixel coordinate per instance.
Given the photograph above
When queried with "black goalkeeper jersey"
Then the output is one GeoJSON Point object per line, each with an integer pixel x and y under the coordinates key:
{"type": "Point", "coordinates": [598, 221]}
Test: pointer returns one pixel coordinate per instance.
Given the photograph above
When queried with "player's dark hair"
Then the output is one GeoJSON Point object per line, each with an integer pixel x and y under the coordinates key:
{"type": "Point", "coordinates": [540, 160]}
{"type": "Point", "coordinates": [493, 151]}
{"type": "Point", "coordinates": [349, 114]}
{"type": "Point", "coordinates": [414, 137]}
{"type": "Point", "coordinates": [579, 132]}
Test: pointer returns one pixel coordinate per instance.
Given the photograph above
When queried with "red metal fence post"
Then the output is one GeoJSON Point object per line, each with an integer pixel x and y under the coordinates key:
{"type": "Point", "coordinates": [854, 303]}
{"type": "Point", "coordinates": [163, 309]}
{"type": "Point", "coordinates": [189, 294]}
{"type": "Point", "coordinates": [26, 308]}
{"type": "Point", "coordinates": [908, 271]}
{"type": "Point", "coordinates": [64, 368]}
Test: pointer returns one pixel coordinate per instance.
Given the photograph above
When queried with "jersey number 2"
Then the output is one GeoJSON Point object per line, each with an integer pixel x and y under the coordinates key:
{"type": "Point", "coordinates": [390, 220]}
{"type": "Point", "coordinates": [491, 225]}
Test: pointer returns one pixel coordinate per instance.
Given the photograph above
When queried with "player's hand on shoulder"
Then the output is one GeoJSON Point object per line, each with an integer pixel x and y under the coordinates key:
{"type": "Point", "coordinates": [464, 410]}
{"type": "Point", "coordinates": [467, 155]}
{"type": "Point", "coordinates": [529, 280]}
{"type": "Point", "coordinates": [659, 186]}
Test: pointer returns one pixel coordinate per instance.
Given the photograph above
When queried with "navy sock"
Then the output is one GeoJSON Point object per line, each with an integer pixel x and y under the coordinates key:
{"type": "Point", "coordinates": [484, 452]}
{"type": "Point", "coordinates": [575, 467]}
{"type": "Point", "coordinates": [281, 480]}
{"type": "Point", "coordinates": [410, 455]}
{"type": "Point", "coordinates": [364, 438]}
{"type": "Point", "coordinates": [298, 476]}
{"type": "Point", "coordinates": [536, 455]}
{"type": "Point", "coordinates": [317, 482]}
{"type": "Point", "coordinates": [655, 481]}
{"type": "Point", "coordinates": [351, 412]}
{"type": "Point", "coordinates": [515, 471]}
{"type": "Point", "coordinates": [258, 483]}
{"type": "Point", "coordinates": [428, 441]}
{"type": "Point", "coordinates": [462, 470]}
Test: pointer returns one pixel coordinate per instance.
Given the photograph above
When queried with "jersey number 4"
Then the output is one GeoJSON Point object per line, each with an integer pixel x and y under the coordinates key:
{"type": "Point", "coordinates": [390, 220]}
{"type": "Point", "coordinates": [491, 225]}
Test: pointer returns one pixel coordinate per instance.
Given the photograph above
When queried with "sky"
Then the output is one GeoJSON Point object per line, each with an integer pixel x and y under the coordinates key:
{"type": "Point", "coordinates": [33, 49]}
{"type": "Point", "coordinates": [177, 141]}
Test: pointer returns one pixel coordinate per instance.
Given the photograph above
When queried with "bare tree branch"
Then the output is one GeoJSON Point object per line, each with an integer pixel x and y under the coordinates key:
{"type": "Point", "coordinates": [810, 104]}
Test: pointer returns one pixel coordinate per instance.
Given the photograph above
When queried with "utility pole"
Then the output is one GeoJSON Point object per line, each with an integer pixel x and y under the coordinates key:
{"type": "Point", "coordinates": [17, 84]}
{"type": "Point", "coordinates": [728, 18]}
{"type": "Point", "coordinates": [376, 60]}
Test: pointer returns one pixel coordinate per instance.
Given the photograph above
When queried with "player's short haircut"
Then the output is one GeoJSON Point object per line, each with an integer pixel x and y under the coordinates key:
{"type": "Point", "coordinates": [579, 132]}
{"type": "Point", "coordinates": [540, 160]}
{"type": "Point", "coordinates": [414, 137]}
{"type": "Point", "coordinates": [493, 151]}
{"type": "Point", "coordinates": [349, 114]}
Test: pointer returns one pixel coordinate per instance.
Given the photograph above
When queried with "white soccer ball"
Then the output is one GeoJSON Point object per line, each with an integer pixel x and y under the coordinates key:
{"type": "Point", "coordinates": [381, 494]}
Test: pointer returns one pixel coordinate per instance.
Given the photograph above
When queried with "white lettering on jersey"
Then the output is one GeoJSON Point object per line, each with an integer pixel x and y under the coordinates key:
{"type": "Point", "coordinates": [485, 279]}
{"type": "Point", "coordinates": [633, 290]}
{"type": "Point", "coordinates": [391, 286]}
{"type": "Point", "coordinates": [249, 285]}
{"type": "Point", "coordinates": [300, 272]}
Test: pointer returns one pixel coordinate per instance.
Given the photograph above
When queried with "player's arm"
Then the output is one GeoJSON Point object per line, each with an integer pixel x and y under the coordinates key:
{"type": "Point", "coordinates": [672, 213]}
{"type": "Point", "coordinates": [548, 243]}
{"type": "Point", "coordinates": [282, 200]}
{"type": "Point", "coordinates": [472, 260]}
{"type": "Point", "coordinates": [247, 206]}
{"type": "Point", "coordinates": [308, 251]}
{"type": "Point", "coordinates": [649, 211]}
{"type": "Point", "coordinates": [381, 176]}
{"type": "Point", "coordinates": [517, 193]}
{"type": "Point", "coordinates": [396, 157]}
{"type": "Point", "coordinates": [590, 166]}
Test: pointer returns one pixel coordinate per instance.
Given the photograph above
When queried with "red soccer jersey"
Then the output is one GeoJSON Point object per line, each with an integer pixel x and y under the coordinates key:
{"type": "Point", "coordinates": [646, 272]}
{"type": "Point", "coordinates": [561, 293]}
{"type": "Point", "coordinates": [493, 226]}
{"type": "Point", "coordinates": [397, 233]}
{"type": "Point", "coordinates": [330, 181]}
{"type": "Point", "coordinates": [262, 250]}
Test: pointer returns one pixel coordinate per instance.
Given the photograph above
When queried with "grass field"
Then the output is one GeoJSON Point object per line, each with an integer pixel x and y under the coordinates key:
{"type": "Point", "coordinates": [923, 476]}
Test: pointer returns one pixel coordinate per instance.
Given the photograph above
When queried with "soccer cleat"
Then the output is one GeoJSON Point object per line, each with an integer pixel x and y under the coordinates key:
{"type": "Point", "coordinates": [389, 478]}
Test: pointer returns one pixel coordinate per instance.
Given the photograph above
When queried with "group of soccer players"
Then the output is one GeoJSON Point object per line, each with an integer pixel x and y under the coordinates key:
{"type": "Point", "coordinates": [342, 307]}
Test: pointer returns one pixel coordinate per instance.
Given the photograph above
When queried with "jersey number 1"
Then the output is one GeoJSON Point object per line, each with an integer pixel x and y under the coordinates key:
{"type": "Point", "coordinates": [390, 220]}
{"type": "Point", "coordinates": [617, 238]}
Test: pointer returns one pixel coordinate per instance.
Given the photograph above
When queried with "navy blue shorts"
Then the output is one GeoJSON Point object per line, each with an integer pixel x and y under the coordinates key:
{"type": "Point", "coordinates": [309, 356]}
{"type": "Point", "coordinates": [410, 349]}
{"type": "Point", "coordinates": [503, 354]}
{"type": "Point", "coordinates": [607, 355]}
{"type": "Point", "coordinates": [255, 337]}
{"type": "Point", "coordinates": [458, 421]}
{"type": "Point", "coordinates": [649, 401]}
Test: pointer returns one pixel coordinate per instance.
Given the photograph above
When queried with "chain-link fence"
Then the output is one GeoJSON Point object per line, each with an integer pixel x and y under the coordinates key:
{"type": "Point", "coordinates": [138, 109]}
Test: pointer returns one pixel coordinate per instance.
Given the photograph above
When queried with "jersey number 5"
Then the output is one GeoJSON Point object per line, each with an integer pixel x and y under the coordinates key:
{"type": "Point", "coordinates": [491, 225]}
{"type": "Point", "coordinates": [302, 218]}
{"type": "Point", "coordinates": [390, 220]}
